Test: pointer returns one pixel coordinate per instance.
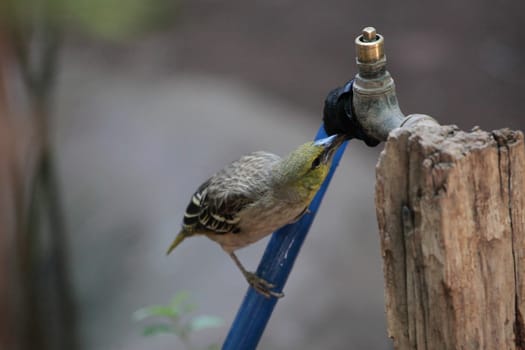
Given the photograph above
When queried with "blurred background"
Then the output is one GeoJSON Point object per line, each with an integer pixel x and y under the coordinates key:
{"type": "Point", "coordinates": [112, 112]}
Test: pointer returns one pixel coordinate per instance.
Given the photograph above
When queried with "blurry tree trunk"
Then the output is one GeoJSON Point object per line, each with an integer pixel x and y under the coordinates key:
{"type": "Point", "coordinates": [451, 213]}
{"type": "Point", "coordinates": [8, 211]}
{"type": "Point", "coordinates": [36, 242]}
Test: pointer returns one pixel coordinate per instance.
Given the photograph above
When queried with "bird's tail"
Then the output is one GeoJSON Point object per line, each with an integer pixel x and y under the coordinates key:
{"type": "Point", "coordinates": [180, 237]}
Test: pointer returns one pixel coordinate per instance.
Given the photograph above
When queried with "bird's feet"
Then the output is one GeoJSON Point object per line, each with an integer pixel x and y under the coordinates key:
{"type": "Point", "coordinates": [262, 286]}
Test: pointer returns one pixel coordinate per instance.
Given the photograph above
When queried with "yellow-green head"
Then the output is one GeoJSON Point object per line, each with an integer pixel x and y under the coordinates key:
{"type": "Point", "coordinates": [304, 170]}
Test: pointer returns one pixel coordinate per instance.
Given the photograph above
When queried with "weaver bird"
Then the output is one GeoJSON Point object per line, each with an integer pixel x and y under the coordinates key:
{"type": "Point", "coordinates": [254, 196]}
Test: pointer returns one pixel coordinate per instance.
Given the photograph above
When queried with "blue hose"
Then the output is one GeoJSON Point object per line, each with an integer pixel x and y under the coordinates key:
{"type": "Point", "coordinates": [275, 267]}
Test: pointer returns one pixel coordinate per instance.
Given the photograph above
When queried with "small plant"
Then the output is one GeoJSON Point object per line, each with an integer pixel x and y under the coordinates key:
{"type": "Point", "coordinates": [176, 320]}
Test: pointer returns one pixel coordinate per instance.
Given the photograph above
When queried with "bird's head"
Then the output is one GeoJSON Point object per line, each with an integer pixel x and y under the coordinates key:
{"type": "Point", "coordinates": [305, 168]}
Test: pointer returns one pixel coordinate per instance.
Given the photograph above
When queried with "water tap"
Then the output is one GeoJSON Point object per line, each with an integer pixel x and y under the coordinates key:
{"type": "Point", "coordinates": [369, 101]}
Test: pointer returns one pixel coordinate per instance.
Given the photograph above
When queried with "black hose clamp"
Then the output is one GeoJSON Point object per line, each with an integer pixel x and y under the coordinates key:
{"type": "Point", "coordinates": [338, 115]}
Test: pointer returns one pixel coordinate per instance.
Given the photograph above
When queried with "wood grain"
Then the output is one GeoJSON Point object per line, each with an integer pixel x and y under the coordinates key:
{"type": "Point", "coordinates": [450, 207]}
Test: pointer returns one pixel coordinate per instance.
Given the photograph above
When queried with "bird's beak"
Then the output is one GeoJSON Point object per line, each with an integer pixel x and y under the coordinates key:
{"type": "Point", "coordinates": [330, 145]}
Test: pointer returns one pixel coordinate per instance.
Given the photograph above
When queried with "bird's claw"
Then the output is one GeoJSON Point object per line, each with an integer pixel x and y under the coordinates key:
{"type": "Point", "coordinates": [262, 286]}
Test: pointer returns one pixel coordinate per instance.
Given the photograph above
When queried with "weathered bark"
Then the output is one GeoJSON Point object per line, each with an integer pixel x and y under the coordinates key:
{"type": "Point", "coordinates": [450, 208]}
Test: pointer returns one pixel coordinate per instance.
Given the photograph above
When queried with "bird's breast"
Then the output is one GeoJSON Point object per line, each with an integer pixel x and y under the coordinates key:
{"type": "Point", "coordinates": [258, 221]}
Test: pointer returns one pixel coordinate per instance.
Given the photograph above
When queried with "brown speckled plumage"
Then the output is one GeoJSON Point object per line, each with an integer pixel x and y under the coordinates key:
{"type": "Point", "coordinates": [254, 196]}
{"type": "Point", "coordinates": [217, 207]}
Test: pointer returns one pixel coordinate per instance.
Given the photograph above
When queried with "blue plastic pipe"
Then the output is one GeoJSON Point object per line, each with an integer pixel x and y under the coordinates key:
{"type": "Point", "coordinates": [276, 264]}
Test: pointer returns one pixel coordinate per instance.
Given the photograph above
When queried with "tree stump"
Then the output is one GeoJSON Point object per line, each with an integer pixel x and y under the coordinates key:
{"type": "Point", "coordinates": [451, 213]}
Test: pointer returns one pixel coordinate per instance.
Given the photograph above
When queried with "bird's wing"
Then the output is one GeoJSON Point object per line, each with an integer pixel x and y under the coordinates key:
{"type": "Point", "coordinates": [215, 206]}
{"type": "Point", "coordinates": [206, 213]}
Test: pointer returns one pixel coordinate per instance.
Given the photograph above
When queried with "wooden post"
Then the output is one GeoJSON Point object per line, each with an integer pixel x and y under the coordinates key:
{"type": "Point", "coordinates": [451, 213]}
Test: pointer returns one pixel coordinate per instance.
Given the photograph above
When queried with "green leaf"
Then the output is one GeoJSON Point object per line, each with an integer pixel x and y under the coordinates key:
{"type": "Point", "coordinates": [179, 299]}
{"type": "Point", "coordinates": [204, 322]}
{"type": "Point", "coordinates": [156, 329]}
{"type": "Point", "coordinates": [119, 19]}
{"type": "Point", "coordinates": [154, 310]}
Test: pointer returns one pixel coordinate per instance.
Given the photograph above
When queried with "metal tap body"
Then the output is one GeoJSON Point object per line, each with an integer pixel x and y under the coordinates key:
{"type": "Point", "coordinates": [374, 100]}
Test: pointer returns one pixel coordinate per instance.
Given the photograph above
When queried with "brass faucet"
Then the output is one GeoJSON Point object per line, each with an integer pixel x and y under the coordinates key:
{"type": "Point", "coordinates": [374, 102]}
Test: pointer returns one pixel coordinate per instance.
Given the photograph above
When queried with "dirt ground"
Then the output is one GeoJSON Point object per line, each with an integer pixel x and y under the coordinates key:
{"type": "Point", "coordinates": [140, 125]}
{"type": "Point", "coordinates": [133, 149]}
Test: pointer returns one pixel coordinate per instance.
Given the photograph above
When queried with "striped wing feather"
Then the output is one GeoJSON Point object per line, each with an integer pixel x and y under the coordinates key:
{"type": "Point", "coordinates": [216, 203]}
{"type": "Point", "coordinates": [206, 214]}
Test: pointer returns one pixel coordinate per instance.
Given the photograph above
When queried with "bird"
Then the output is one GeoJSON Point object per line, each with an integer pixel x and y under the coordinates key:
{"type": "Point", "coordinates": [254, 196]}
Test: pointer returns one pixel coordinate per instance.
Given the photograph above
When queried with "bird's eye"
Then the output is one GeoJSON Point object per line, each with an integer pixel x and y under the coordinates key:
{"type": "Point", "coordinates": [316, 163]}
